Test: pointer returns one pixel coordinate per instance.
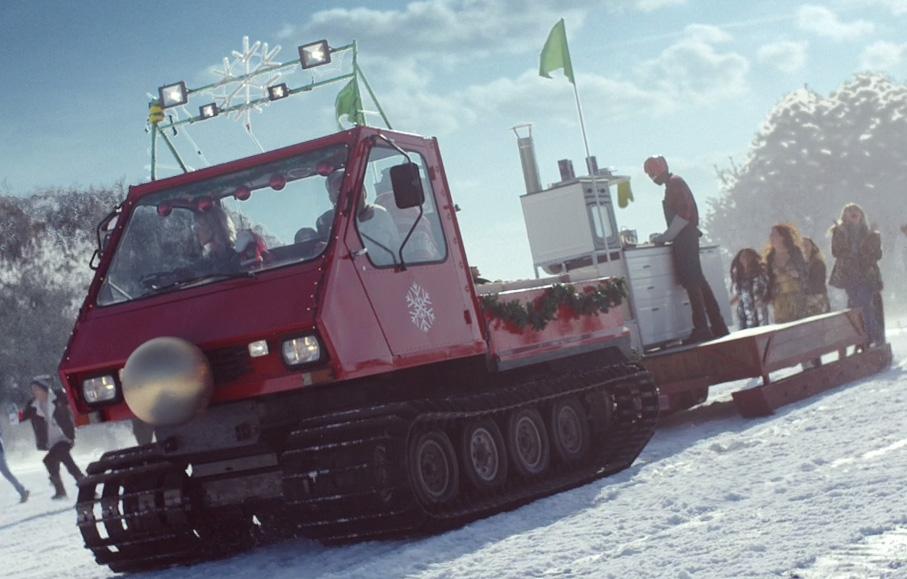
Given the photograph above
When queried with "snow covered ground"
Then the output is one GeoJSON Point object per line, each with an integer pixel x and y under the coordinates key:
{"type": "Point", "coordinates": [816, 490]}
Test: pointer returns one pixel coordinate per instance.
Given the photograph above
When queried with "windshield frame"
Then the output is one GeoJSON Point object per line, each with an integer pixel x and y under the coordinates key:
{"type": "Point", "coordinates": [138, 194]}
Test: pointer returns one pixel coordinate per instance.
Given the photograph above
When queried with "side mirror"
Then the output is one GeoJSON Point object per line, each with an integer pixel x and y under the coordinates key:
{"type": "Point", "coordinates": [407, 185]}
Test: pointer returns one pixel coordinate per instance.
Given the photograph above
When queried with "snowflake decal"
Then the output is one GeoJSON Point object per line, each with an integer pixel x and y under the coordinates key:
{"type": "Point", "coordinates": [421, 313]}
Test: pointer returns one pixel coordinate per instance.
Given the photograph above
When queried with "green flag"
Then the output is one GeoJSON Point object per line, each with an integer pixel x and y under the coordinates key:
{"type": "Point", "coordinates": [555, 54]}
{"type": "Point", "coordinates": [349, 104]}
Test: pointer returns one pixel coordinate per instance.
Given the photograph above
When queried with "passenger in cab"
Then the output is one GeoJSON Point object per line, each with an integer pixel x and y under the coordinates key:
{"type": "Point", "coordinates": [379, 232]}
{"type": "Point", "coordinates": [324, 222]}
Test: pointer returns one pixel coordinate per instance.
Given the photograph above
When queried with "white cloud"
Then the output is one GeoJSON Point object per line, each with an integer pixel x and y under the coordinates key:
{"type": "Point", "coordinates": [690, 71]}
{"type": "Point", "coordinates": [455, 29]}
{"type": "Point", "coordinates": [694, 70]}
{"type": "Point", "coordinates": [821, 21]}
{"type": "Point", "coordinates": [435, 37]}
{"type": "Point", "coordinates": [287, 31]}
{"type": "Point", "coordinates": [896, 7]}
{"type": "Point", "coordinates": [706, 33]}
{"type": "Point", "coordinates": [786, 56]}
{"type": "Point", "coordinates": [652, 5]}
{"type": "Point", "coordinates": [883, 56]}
{"type": "Point", "coordinates": [537, 97]}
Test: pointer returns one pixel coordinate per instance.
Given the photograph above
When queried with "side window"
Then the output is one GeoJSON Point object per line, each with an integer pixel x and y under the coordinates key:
{"type": "Point", "coordinates": [383, 227]}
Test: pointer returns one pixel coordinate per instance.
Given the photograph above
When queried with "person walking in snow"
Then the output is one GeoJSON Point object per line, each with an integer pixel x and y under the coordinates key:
{"type": "Point", "coordinates": [54, 432]}
{"type": "Point", "coordinates": [682, 217]}
{"type": "Point", "coordinates": [4, 470]}
{"type": "Point", "coordinates": [857, 250]}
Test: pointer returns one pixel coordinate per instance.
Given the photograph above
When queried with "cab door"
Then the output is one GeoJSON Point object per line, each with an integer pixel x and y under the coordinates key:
{"type": "Point", "coordinates": [423, 303]}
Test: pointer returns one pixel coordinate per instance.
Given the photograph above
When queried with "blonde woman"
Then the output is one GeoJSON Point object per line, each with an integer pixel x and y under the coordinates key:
{"type": "Point", "coordinates": [857, 250]}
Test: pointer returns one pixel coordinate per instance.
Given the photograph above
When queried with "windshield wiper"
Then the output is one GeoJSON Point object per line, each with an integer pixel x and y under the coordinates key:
{"type": "Point", "coordinates": [197, 280]}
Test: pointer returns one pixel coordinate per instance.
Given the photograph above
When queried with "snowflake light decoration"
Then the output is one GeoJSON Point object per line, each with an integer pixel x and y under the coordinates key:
{"type": "Point", "coordinates": [421, 312]}
{"type": "Point", "coordinates": [245, 79]}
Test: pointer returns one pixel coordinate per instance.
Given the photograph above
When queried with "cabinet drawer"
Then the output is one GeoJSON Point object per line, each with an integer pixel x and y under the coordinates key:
{"type": "Point", "coordinates": [658, 288]}
{"type": "Point", "coordinates": [654, 324]}
{"type": "Point", "coordinates": [650, 266]}
{"type": "Point", "coordinates": [665, 321]}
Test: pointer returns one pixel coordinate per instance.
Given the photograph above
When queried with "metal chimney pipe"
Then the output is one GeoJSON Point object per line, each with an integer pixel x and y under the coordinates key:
{"type": "Point", "coordinates": [565, 166]}
{"type": "Point", "coordinates": [527, 158]}
{"type": "Point", "coordinates": [592, 165]}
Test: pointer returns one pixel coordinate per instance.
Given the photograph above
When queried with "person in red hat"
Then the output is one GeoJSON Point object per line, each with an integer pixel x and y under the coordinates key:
{"type": "Point", "coordinates": [682, 218]}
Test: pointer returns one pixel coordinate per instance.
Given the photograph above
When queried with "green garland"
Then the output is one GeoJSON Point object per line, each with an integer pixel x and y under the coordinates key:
{"type": "Point", "coordinates": [537, 313]}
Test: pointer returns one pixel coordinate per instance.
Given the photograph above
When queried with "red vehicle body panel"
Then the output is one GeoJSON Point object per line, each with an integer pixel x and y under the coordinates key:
{"type": "Point", "coordinates": [513, 346]}
{"type": "Point", "coordinates": [364, 316]}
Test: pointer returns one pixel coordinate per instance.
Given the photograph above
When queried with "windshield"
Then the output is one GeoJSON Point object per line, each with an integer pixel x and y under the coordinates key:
{"type": "Point", "coordinates": [235, 225]}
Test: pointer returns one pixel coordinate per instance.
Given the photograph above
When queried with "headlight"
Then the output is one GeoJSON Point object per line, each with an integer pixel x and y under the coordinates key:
{"type": "Point", "coordinates": [99, 389]}
{"type": "Point", "coordinates": [302, 350]}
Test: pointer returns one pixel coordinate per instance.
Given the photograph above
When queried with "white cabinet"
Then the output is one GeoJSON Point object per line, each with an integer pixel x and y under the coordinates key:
{"type": "Point", "coordinates": [660, 304]}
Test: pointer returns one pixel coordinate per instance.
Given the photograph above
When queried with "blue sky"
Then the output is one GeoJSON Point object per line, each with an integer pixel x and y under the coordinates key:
{"type": "Point", "coordinates": [691, 79]}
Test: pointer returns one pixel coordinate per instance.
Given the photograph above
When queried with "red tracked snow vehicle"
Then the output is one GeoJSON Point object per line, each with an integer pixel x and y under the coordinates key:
{"type": "Point", "coordinates": [302, 329]}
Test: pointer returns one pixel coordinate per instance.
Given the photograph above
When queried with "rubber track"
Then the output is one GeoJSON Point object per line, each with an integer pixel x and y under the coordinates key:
{"type": "Point", "coordinates": [135, 513]}
{"type": "Point", "coordinates": [346, 476]}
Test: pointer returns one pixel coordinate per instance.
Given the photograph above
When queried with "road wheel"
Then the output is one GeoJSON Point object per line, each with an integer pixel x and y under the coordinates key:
{"type": "Point", "coordinates": [433, 468]}
{"type": "Point", "coordinates": [484, 454]}
{"type": "Point", "coordinates": [527, 441]}
{"type": "Point", "coordinates": [569, 429]}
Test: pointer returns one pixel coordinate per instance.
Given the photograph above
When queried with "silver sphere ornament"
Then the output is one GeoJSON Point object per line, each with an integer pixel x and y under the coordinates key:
{"type": "Point", "coordinates": [167, 381]}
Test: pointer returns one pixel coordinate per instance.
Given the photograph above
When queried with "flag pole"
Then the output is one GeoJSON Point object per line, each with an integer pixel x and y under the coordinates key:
{"type": "Point", "coordinates": [598, 205]}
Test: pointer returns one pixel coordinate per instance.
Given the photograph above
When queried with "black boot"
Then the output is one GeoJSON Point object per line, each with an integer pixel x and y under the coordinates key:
{"type": "Point", "coordinates": [697, 335]}
{"type": "Point", "coordinates": [57, 483]}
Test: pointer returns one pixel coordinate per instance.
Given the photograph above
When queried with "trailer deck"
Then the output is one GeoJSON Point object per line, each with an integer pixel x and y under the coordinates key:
{"type": "Point", "coordinates": [684, 375]}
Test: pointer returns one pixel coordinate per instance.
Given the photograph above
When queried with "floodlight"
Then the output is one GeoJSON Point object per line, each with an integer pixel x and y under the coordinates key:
{"type": "Point", "coordinates": [209, 110]}
{"type": "Point", "coordinates": [314, 54]}
{"type": "Point", "coordinates": [173, 95]}
{"type": "Point", "coordinates": [278, 91]}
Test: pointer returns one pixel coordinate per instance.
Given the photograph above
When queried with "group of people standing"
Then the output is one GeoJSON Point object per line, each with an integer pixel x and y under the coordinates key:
{"type": "Point", "coordinates": [791, 275]}
{"type": "Point", "coordinates": [54, 432]}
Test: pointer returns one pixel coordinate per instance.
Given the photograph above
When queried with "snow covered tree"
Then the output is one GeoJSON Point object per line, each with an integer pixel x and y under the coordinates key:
{"type": "Point", "coordinates": [813, 155]}
{"type": "Point", "coordinates": [46, 240]}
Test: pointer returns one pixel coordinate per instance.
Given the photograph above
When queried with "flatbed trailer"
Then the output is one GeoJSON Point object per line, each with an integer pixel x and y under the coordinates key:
{"type": "Point", "coordinates": [685, 375]}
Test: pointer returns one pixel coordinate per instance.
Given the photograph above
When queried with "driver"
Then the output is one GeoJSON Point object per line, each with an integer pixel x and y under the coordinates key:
{"type": "Point", "coordinates": [379, 232]}
{"type": "Point", "coordinates": [216, 234]}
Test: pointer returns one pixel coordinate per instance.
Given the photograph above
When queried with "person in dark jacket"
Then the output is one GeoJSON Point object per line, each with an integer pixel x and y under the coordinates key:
{"type": "Point", "coordinates": [54, 432]}
{"type": "Point", "coordinates": [682, 218]}
{"type": "Point", "coordinates": [816, 290]}
{"type": "Point", "coordinates": [857, 250]}
{"type": "Point", "coordinates": [4, 470]}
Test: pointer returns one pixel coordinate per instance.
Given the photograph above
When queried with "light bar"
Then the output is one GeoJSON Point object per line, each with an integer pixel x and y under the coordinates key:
{"type": "Point", "coordinates": [278, 91]}
{"type": "Point", "coordinates": [208, 111]}
{"type": "Point", "coordinates": [314, 54]}
{"type": "Point", "coordinates": [173, 95]}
